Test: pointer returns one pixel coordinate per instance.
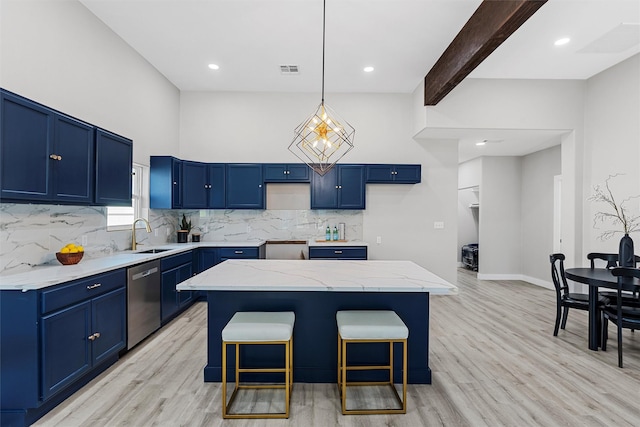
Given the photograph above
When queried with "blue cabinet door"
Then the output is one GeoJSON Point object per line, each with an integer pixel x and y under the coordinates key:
{"type": "Point", "coordinates": [399, 174]}
{"type": "Point", "coordinates": [73, 171]}
{"type": "Point", "coordinates": [114, 156]}
{"type": "Point", "coordinates": [281, 172]}
{"type": "Point", "coordinates": [208, 257]}
{"type": "Point", "coordinates": [194, 185]}
{"type": "Point", "coordinates": [26, 142]}
{"type": "Point", "coordinates": [245, 189]}
{"type": "Point", "coordinates": [343, 187]}
{"type": "Point", "coordinates": [169, 300]}
{"type": "Point", "coordinates": [324, 190]}
{"type": "Point", "coordinates": [109, 320]}
{"type": "Point", "coordinates": [351, 189]}
{"type": "Point", "coordinates": [410, 174]}
{"type": "Point", "coordinates": [165, 182]}
{"type": "Point", "coordinates": [184, 272]}
{"type": "Point", "coordinates": [66, 349]}
{"type": "Point", "coordinates": [216, 186]}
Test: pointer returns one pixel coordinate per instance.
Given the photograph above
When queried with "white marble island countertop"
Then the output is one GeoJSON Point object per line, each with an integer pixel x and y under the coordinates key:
{"type": "Point", "coordinates": [319, 275]}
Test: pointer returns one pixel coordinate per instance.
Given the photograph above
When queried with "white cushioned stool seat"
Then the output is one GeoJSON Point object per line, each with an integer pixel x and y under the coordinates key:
{"type": "Point", "coordinates": [259, 326]}
{"type": "Point", "coordinates": [363, 327]}
{"type": "Point", "coordinates": [371, 324]}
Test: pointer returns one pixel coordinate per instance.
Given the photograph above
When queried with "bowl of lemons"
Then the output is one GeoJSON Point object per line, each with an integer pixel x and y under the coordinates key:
{"type": "Point", "coordinates": [70, 254]}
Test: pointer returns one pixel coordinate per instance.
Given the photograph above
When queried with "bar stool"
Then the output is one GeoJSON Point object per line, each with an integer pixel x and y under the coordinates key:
{"type": "Point", "coordinates": [370, 326]}
{"type": "Point", "coordinates": [257, 328]}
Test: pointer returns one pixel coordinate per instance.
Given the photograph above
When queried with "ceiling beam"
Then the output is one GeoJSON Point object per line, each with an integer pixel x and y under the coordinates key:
{"type": "Point", "coordinates": [490, 25]}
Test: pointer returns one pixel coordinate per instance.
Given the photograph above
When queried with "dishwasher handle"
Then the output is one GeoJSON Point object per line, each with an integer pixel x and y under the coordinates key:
{"type": "Point", "coordinates": [144, 274]}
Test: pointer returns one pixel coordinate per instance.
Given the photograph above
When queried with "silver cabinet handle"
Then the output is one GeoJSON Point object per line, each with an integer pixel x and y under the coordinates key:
{"type": "Point", "coordinates": [175, 183]}
{"type": "Point", "coordinates": [95, 285]}
{"type": "Point", "coordinates": [55, 157]}
{"type": "Point", "coordinates": [239, 252]}
{"type": "Point", "coordinates": [93, 337]}
{"type": "Point", "coordinates": [337, 252]}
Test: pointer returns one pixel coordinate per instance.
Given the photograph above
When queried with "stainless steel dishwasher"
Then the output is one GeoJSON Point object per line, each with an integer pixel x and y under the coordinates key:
{"type": "Point", "coordinates": [143, 301]}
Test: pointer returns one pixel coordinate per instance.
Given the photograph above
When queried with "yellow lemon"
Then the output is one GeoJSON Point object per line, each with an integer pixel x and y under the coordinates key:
{"type": "Point", "coordinates": [64, 250]}
{"type": "Point", "coordinates": [73, 251]}
{"type": "Point", "coordinates": [70, 245]}
{"type": "Point", "coordinates": [80, 248]}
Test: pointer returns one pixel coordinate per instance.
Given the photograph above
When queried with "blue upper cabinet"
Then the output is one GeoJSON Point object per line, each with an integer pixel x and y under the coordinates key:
{"type": "Point", "coordinates": [203, 185]}
{"type": "Point", "coordinates": [114, 156]}
{"type": "Point", "coordinates": [399, 174]}
{"type": "Point", "coordinates": [165, 182]}
{"type": "Point", "coordinates": [49, 157]}
{"type": "Point", "coordinates": [343, 187]}
{"type": "Point", "coordinates": [281, 172]}
{"type": "Point", "coordinates": [245, 186]}
{"type": "Point", "coordinates": [45, 156]}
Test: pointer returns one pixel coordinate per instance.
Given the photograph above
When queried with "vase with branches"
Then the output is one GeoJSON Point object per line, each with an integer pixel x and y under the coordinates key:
{"type": "Point", "coordinates": [617, 215]}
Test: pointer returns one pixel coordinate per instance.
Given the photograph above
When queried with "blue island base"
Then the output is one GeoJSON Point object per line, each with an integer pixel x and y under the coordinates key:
{"type": "Point", "coordinates": [315, 334]}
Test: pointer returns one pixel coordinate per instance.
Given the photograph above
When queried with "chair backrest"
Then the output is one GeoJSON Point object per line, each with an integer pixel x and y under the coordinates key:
{"type": "Point", "coordinates": [611, 259]}
{"type": "Point", "coordinates": [557, 274]}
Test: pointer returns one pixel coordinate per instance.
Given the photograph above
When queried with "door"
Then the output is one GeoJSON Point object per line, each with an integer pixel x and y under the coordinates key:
{"type": "Point", "coordinates": [66, 349]}
{"type": "Point", "coordinates": [73, 172]}
{"type": "Point", "coordinates": [324, 190]}
{"type": "Point", "coordinates": [194, 185]}
{"type": "Point", "coordinates": [114, 156]}
{"type": "Point", "coordinates": [26, 142]}
{"type": "Point", "coordinates": [245, 189]}
{"type": "Point", "coordinates": [108, 314]}
{"type": "Point", "coordinates": [351, 187]}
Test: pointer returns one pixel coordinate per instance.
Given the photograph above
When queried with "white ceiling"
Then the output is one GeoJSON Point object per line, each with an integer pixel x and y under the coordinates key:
{"type": "Point", "coordinates": [402, 39]}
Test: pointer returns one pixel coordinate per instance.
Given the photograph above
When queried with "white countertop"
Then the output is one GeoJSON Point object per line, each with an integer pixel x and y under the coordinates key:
{"type": "Point", "coordinates": [52, 274]}
{"type": "Point", "coordinates": [319, 275]}
{"type": "Point", "coordinates": [315, 242]}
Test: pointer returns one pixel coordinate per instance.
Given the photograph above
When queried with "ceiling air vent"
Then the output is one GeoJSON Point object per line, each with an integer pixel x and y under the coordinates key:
{"type": "Point", "coordinates": [289, 69]}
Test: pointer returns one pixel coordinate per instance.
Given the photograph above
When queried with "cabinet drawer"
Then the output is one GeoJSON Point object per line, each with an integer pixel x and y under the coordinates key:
{"type": "Point", "coordinates": [170, 262]}
{"type": "Point", "coordinates": [239, 253]}
{"type": "Point", "coordinates": [82, 289]}
{"type": "Point", "coordinates": [338, 252]}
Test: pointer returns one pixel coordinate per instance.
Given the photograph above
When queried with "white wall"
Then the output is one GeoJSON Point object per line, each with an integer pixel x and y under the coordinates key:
{"type": "Point", "coordinates": [59, 54]}
{"type": "Point", "coordinates": [538, 170]}
{"type": "Point", "coordinates": [258, 127]}
{"type": "Point", "coordinates": [500, 250]}
{"type": "Point", "coordinates": [612, 144]}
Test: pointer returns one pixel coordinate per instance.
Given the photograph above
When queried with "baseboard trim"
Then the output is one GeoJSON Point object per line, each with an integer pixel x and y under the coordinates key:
{"type": "Point", "coordinates": [521, 277]}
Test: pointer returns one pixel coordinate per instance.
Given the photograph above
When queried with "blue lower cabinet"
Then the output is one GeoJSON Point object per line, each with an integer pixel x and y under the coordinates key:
{"type": "Point", "coordinates": [175, 269]}
{"type": "Point", "coordinates": [55, 340]}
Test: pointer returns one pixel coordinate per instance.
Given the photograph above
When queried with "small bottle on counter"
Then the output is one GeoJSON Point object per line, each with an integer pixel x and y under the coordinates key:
{"type": "Point", "coordinates": [335, 233]}
{"type": "Point", "coordinates": [327, 235]}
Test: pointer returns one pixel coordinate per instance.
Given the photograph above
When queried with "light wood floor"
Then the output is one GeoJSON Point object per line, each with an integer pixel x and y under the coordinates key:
{"type": "Point", "coordinates": [494, 358]}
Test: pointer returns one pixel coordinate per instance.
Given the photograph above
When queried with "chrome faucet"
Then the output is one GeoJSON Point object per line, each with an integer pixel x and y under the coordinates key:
{"type": "Point", "coordinates": [133, 232]}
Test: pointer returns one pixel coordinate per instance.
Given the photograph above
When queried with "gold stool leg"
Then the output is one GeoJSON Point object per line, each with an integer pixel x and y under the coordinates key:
{"type": "Point", "coordinates": [224, 379]}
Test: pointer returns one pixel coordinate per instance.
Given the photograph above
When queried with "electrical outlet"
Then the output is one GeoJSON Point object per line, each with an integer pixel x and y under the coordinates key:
{"type": "Point", "coordinates": [168, 232]}
{"type": "Point", "coordinates": [379, 239]}
{"type": "Point", "coordinates": [438, 225]}
{"type": "Point", "coordinates": [206, 228]}
{"type": "Point", "coordinates": [155, 232]}
{"type": "Point", "coordinates": [248, 228]}
{"type": "Point", "coordinates": [84, 240]}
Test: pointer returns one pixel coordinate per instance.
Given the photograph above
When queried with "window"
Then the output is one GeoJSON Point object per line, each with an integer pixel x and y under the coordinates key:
{"type": "Point", "coordinates": [121, 217]}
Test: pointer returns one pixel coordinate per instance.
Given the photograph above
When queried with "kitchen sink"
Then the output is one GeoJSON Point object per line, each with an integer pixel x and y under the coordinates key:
{"type": "Point", "coordinates": [152, 251]}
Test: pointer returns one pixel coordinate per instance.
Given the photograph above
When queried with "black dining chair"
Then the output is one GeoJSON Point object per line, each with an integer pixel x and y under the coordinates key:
{"type": "Point", "coordinates": [625, 313]}
{"type": "Point", "coordinates": [565, 299]}
{"type": "Point", "coordinates": [612, 261]}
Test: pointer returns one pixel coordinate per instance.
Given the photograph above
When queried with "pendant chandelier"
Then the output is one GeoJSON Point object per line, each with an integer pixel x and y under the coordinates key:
{"type": "Point", "coordinates": [323, 138]}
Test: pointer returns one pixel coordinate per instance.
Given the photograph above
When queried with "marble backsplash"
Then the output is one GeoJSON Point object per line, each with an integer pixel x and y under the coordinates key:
{"type": "Point", "coordinates": [30, 235]}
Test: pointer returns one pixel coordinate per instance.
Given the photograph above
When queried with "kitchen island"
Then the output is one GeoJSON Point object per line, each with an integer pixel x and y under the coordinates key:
{"type": "Point", "coordinates": [315, 290]}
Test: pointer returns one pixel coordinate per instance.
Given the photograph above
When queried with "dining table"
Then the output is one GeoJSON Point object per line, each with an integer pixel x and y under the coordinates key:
{"type": "Point", "coordinates": [597, 278]}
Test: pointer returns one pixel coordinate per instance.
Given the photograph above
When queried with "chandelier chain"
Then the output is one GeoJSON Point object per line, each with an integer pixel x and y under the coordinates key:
{"type": "Point", "coordinates": [324, 13]}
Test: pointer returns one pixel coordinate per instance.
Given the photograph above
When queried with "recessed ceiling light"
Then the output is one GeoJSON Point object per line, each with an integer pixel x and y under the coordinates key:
{"type": "Point", "coordinates": [562, 41]}
{"type": "Point", "coordinates": [214, 66]}
{"type": "Point", "coordinates": [481, 143]}
{"type": "Point", "coordinates": [368, 69]}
